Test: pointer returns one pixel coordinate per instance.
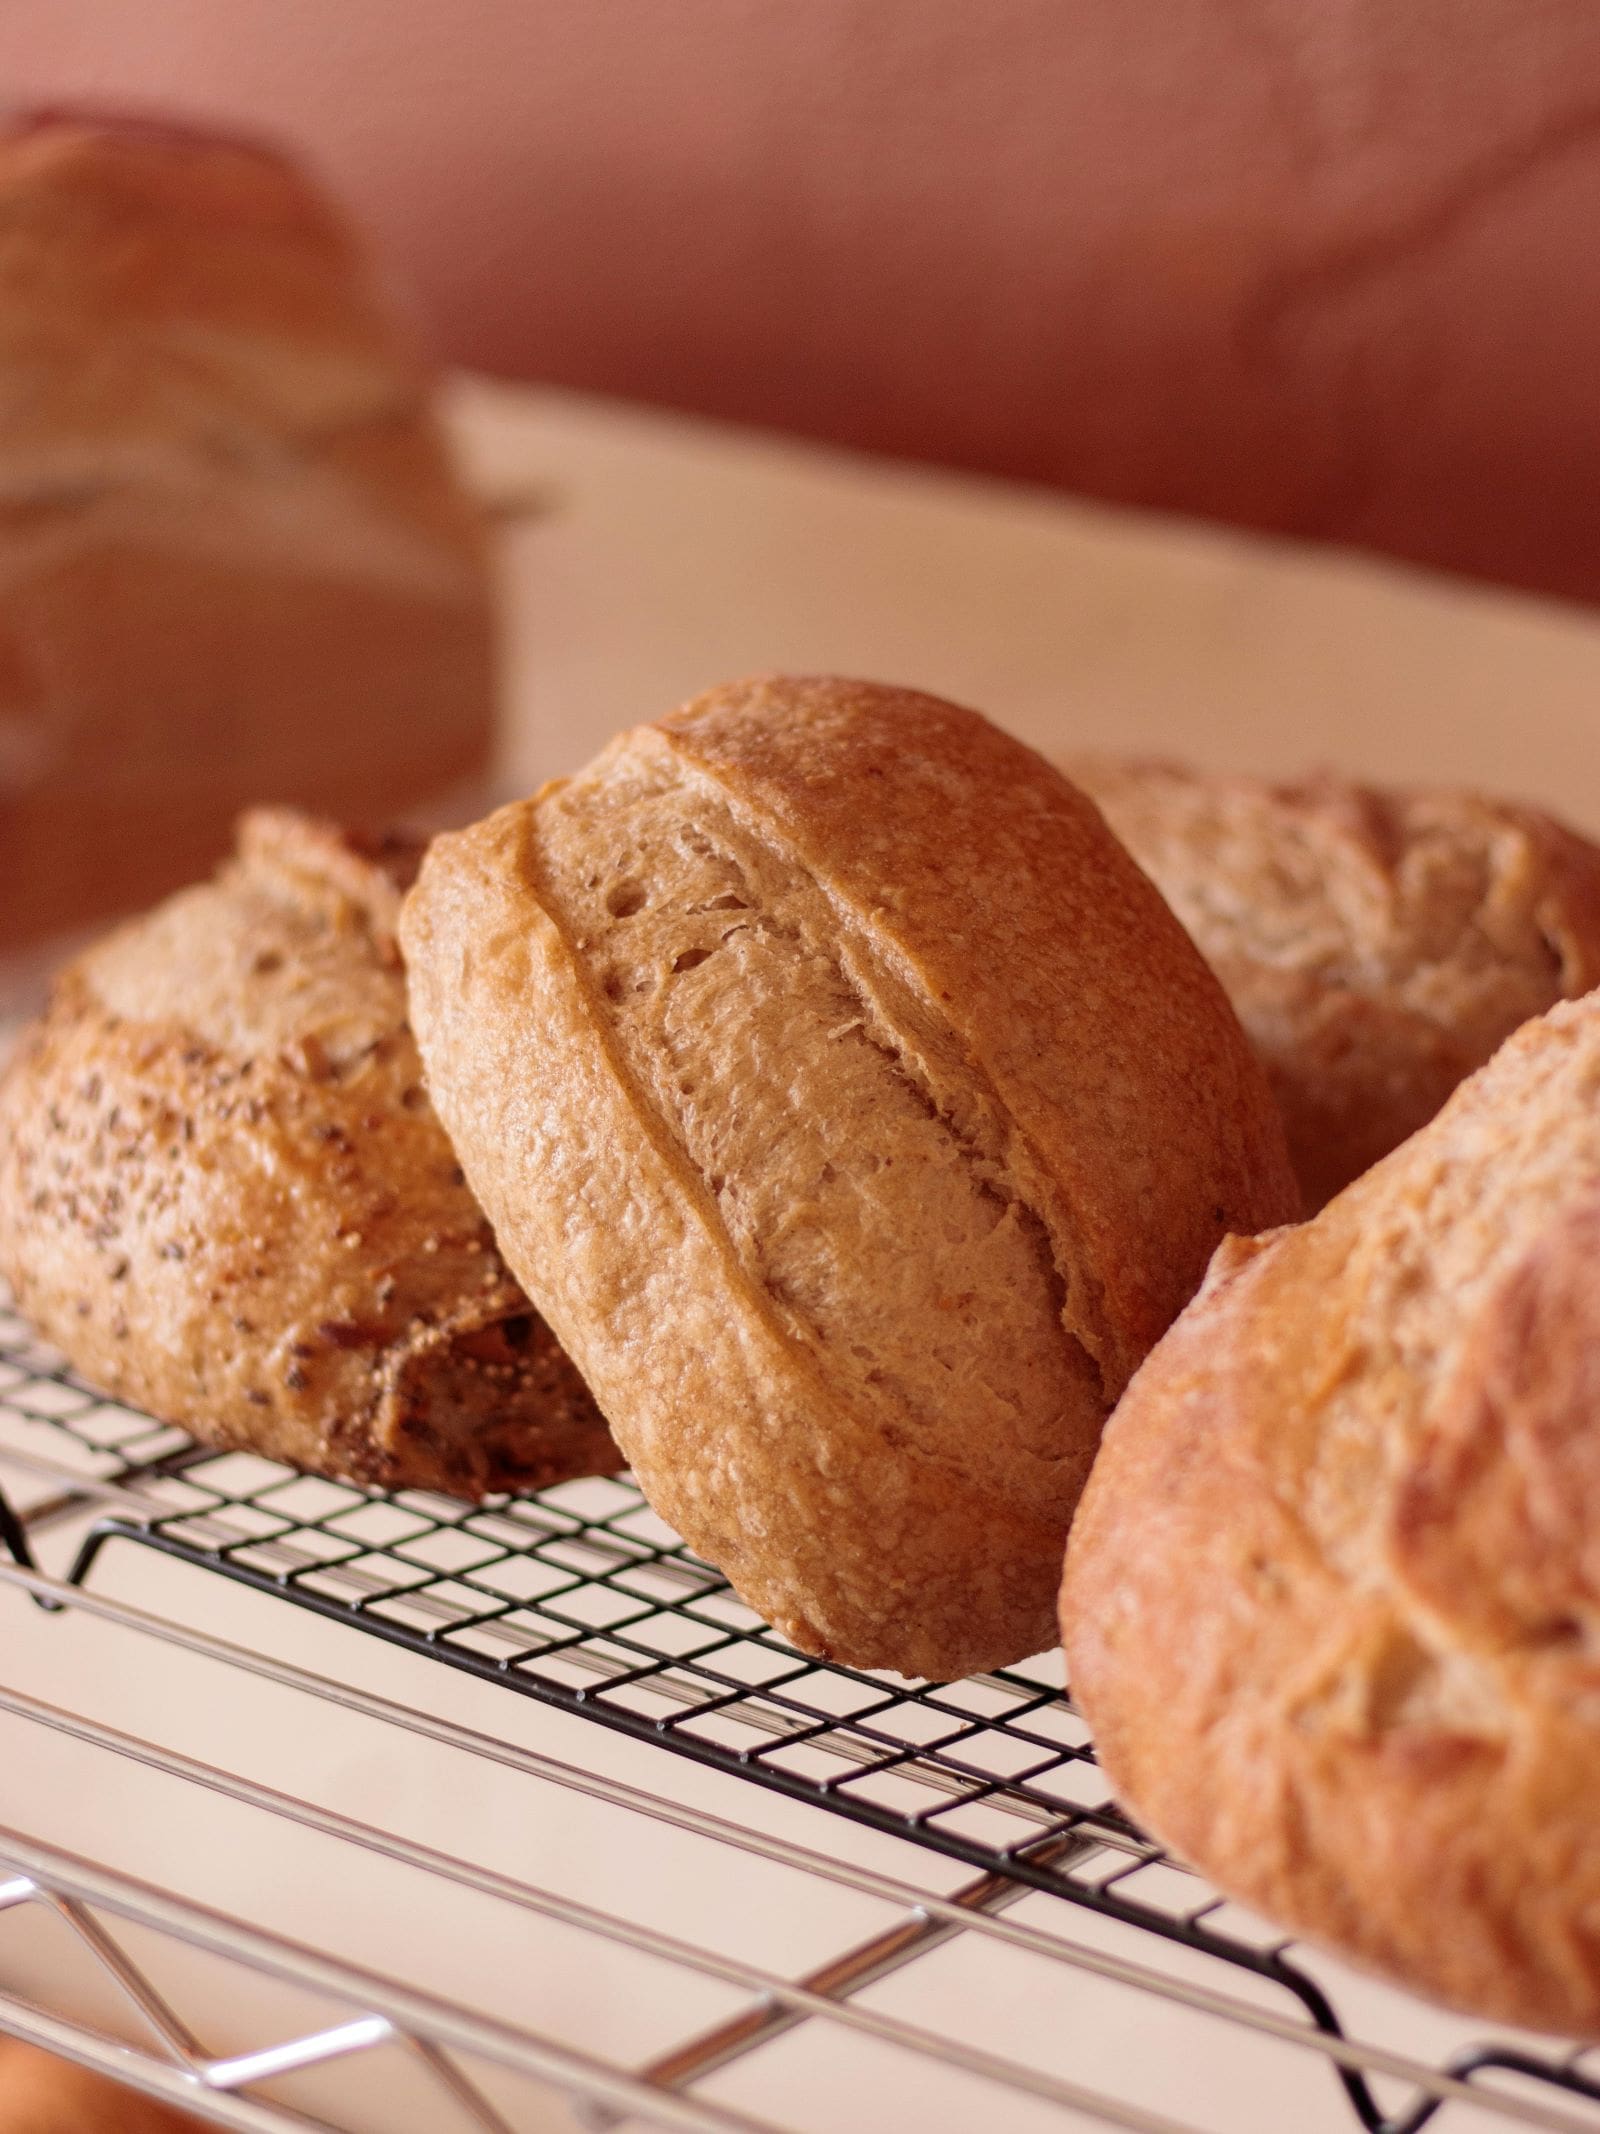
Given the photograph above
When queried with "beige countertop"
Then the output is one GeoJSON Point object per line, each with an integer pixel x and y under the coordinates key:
{"type": "Point", "coordinates": [652, 556]}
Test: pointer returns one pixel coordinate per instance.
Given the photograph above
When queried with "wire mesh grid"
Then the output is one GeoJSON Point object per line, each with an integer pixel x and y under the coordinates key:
{"type": "Point", "coordinates": [580, 1597]}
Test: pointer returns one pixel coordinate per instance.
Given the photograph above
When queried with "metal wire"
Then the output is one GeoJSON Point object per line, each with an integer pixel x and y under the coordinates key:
{"type": "Point", "coordinates": [385, 2008]}
{"type": "Point", "coordinates": [1349, 2055]}
{"type": "Point", "coordinates": [580, 1599]}
{"type": "Point", "coordinates": [798, 2000]}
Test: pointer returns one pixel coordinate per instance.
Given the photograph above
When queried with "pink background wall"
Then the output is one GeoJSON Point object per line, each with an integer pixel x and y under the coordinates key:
{"type": "Point", "coordinates": [1324, 265]}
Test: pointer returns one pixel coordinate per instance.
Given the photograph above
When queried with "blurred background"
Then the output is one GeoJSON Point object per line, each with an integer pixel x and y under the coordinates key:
{"type": "Point", "coordinates": [1238, 300]}
{"type": "Point", "coordinates": [1327, 270]}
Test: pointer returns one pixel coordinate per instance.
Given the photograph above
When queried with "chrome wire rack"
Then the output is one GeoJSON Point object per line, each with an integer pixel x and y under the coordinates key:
{"type": "Point", "coordinates": [580, 1599]}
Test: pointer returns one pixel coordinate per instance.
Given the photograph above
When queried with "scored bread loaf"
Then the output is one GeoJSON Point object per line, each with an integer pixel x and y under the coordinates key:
{"type": "Point", "coordinates": [237, 562]}
{"type": "Point", "coordinates": [1332, 1599]}
{"type": "Point", "coordinates": [1377, 946]}
{"type": "Point", "coordinates": [858, 1115]}
{"type": "Point", "coordinates": [224, 1195]}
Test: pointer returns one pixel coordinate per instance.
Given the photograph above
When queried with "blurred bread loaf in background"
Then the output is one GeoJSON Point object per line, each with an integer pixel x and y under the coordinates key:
{"type": "Point", "coordinates": [1314, 269]}
{"type": "Point", "coordinates": [1377, 945]}
{"type": "Point", "coordinates": [235, 563]}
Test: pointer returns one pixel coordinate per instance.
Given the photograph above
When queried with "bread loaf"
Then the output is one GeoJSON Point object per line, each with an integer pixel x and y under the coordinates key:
{"type": "Point", "coordinates": [234, 561]}
{"type": "Point", "coordinates": [1377, 946]}
{"type": "Point", "coordinates": [857, 1115]}
{"type": "Point", "coordinates": [40, 2094]}
{"type": "Point", "coordinates": [224, 1195]}
{"type": "Point", "coordinates": [1332, 1600]}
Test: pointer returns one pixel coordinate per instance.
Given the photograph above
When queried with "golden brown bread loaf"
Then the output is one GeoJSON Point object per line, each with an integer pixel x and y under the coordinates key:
{"type": "Point", "coordinates": [858, 1115]}
{"type": "Point", "coordinates": [224, 1195]}
{"type": "Point", "coordinates": [1377, 945]}
{"type": "Point", "coordinates": [234, 561]}
{"type": "Point", "coordinates": [1332, 1599]}
{"type": "Point", "coordinates": [40, 2094]}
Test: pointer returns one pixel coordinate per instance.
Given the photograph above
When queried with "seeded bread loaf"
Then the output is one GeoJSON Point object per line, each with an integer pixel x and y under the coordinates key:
{"type": "Point", "coordinates": [858, 1116]}
{"type": "Point", "coordinates": [1377, 946]}
{"type": "Point", "coordinates": [224, 1194]}
{"type": "Point", "coordinates": [1332, 1600]}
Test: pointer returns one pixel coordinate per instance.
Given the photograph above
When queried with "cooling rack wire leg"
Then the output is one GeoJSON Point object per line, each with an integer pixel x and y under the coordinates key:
{"type": "Point", "coordinates": [449, 2076]}
{"type": "Point", "coordinates": [844, 1975]}
{"type": "Point", "coordinates": [174, 2034]}
{"type": "Point", "coordinates": [13, 1537]}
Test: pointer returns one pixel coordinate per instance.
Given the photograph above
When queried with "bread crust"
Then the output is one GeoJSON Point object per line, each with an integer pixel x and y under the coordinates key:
{"type": "Point", "coordinates": [224, 1195]}
{"type": "Point", "coordinates": [236, 560]}
{"type": "Point", "coordinates": [1332, 1598]}
{"type": "Point", "coordinates": [1377, 945]}
{"type": "Point", "coordinates": [859, 1115]}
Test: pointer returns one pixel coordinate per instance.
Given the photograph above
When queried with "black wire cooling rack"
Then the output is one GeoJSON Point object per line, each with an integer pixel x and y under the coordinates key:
{"type": "Point", "coordinates": [582, 1598]}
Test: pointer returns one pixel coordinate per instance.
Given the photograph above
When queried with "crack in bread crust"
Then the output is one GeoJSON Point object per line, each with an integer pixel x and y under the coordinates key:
{"type": "Point", "coordinates": [992, 1179]}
